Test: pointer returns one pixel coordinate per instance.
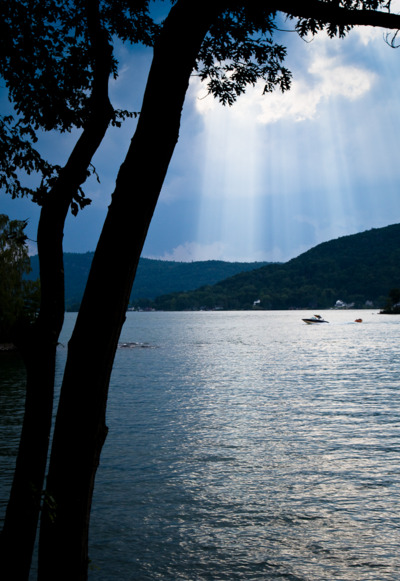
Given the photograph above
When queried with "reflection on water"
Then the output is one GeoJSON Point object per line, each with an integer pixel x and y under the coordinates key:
{"type": "Point", "coordinates": [250, 446]}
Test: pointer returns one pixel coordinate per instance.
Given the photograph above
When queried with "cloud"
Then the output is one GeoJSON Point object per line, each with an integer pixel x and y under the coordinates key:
{"type": "Point", "coordinates": [32, 247]}
{"type": "Point", "coordinates": [368, 34]}
{"type": "Point", "coordinates": [194, 251]}
{"type": "Point", "coordinates": [326, 78]}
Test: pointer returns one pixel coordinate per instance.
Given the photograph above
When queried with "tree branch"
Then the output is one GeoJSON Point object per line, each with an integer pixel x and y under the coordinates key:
{"type": "Point", "coordinates": [331, 13]}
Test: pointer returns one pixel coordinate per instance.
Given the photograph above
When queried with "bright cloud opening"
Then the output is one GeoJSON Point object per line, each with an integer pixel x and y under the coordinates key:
{"type": "Point", "coordinates": [326, 78]}
{"type": "Point", "coordinates": [263, 168]}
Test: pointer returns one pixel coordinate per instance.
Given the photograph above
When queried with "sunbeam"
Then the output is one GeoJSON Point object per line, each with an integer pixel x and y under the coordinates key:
{"type": "Point", "coordinates": [230, 184]}
{"type": "Point", "coordinates": [282, 173]}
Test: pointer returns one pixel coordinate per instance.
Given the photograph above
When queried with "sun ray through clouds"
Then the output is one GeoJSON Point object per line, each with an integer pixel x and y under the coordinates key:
{"type": "Point", "coordinates": [282, 173]}
{"type": "Point", "coordinates": [230, 184]}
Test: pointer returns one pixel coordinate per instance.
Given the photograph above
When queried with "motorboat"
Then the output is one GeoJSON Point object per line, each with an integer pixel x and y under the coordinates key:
{"type": "Point", "coordinates": [315, 319]}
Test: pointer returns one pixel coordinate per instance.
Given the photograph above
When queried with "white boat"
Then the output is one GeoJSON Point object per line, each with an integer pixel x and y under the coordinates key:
{"type": "Point", "coordinates": [315, 319]}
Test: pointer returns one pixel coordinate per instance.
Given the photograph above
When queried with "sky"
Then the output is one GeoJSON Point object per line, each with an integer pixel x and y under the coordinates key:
{"type": "Point", "coordinates": [270, 177]}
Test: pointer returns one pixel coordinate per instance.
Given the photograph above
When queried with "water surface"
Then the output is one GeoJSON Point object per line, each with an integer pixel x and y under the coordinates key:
{"type": "Point", "coordinates": [250, 446]}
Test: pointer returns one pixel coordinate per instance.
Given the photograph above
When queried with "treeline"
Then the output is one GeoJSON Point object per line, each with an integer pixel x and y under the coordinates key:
{"type": "Point", "coordinates": [358, 270]}
{"type": "Point", "coordinates": [153, 278]}
{"type": "Point", "coordinates": [392, 306]}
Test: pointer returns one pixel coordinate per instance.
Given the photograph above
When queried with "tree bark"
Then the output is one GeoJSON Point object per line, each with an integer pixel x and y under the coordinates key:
{"type": "Point", "coordinates": [38, 346]}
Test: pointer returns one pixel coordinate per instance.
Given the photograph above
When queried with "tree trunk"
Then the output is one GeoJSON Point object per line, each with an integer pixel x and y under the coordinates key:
{"type": "Point", "coordinates": [80, 428]}
{"type": "Point", "coordinates": [18, 535]}
{"type": "Point", "coordinates": [38, 347]}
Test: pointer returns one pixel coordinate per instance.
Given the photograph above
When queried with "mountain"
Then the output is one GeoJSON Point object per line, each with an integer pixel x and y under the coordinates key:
{"type": "Point", "coordinates": [153, 278]}
{"type": "Point", "coordinates": [360, 270]}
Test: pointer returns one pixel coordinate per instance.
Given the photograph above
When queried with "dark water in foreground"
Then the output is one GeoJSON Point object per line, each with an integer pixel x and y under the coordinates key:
{"type": "Point", "coordinates": [245, 446]}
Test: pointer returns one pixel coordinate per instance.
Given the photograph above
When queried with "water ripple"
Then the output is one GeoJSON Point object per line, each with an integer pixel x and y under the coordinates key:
{"type": "Point", "coordinates": [249, 446]}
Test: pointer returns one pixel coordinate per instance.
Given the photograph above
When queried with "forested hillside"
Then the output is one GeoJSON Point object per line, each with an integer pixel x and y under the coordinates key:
{"type": "Point", "coordinates": [154, 277]}
{"type": "Point", "coordinates": [359, 269]}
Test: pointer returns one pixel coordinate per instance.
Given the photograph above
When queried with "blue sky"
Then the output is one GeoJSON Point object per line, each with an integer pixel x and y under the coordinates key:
{"type": "Point", "coordinates": [273, 175]}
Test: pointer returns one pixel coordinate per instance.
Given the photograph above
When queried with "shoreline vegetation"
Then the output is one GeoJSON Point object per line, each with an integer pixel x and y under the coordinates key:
{"type": "Point", "coordinates": [357, 270]}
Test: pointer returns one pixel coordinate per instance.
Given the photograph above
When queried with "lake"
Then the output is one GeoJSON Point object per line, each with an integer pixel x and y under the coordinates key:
{"type": "Point", "coordinates": [243, 446]}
